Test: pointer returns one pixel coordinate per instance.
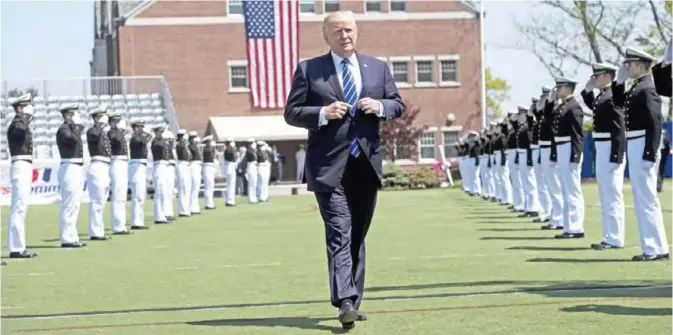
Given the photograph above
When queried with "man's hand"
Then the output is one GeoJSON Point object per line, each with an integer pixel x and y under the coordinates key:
{"type": "Point", "coordinates": [368, 106]}
{"type": "Point", "coordinates": [336, 110]}
{"type": "Point", "coordinates": [590, 85]}
{"type": "Point", "coordinates": [622, 74]}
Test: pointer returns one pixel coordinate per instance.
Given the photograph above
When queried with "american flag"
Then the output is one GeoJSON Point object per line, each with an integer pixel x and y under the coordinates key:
{"type": "Point", "coordinates": [272, 35]}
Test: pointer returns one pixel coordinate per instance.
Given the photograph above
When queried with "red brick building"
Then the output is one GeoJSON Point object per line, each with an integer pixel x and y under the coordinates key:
{"type": "Point", "coordinates": [432, 47]}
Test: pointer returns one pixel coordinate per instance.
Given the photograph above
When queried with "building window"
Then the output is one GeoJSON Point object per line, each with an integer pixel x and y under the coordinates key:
{"type": "Point", "coordinates": [424, 71]}
{"type": "Point", "coordinates": [373, 6]}
{"type": "Point", "coordinates": [398, 5]}
{"type": "Point", "coordinates": [331, 6]}
{"type": "Point", "coordinates": [401, 71]}
{"type": "Point", "coordinates": [450, 137]}
{"type": "Point", "coordinates": [239, 76]}
{"type": "Point", "coordinates": [235, 7]}
{"type": "Point", "coordinates": [428, 145]}
{"type": "Point", "coordinates": [307, 6]}
{"type": "Point", "coordinates": [402, 151]}
{"type": "Point", "coordinates": [449, 70]}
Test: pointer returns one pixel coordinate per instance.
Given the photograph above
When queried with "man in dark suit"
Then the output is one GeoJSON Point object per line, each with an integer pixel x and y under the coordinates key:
{"type": "Point", "coordinates": [341, 97]}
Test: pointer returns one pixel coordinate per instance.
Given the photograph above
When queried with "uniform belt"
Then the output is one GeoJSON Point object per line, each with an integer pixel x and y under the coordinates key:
{"type": "Point", "coordinates": [27, 158]}
{"type": "Point", "coordinates": [535, 146]}
{"type": "Point", "coordinates": [138, 161]}
{"type": "Point", "coordinates": [208, 164]}
{"type": "Point", "coordinates": [633, 134]}
{"type": "Point", "coordinates": [120, 158]}
{"type": "Point", "coordinates": [521, 150]}
{"type": "Point", "coordinates": [545, 143]}
{"type": "Point", "coordinates": [510, 150]}
{"type": "Point", "coordinates": [103, 159]}
{"type": "Point", "coordinates": [196, 162]}
{"type": "Point", "coordinates": [562, 139]}
{"type": "Point", "coordinates": [161, 162]}
{"type": "Point", "coordinates": [79, 161]}
{"type": "Point", "coordinates": [601, 137]}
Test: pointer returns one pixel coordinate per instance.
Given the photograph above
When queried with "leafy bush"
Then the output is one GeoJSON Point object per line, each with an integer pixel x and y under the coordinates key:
{"type": "Point", "coordinates": [395, 178]}
{"type": "Point", "coordinates": [424, 177]}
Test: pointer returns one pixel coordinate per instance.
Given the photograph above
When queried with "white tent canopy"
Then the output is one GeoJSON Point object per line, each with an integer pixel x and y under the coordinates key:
{"type": "Point", "coordinates": [265, 128]}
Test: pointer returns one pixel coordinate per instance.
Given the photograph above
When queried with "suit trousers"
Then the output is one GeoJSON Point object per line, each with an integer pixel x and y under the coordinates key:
{"type": "Point", "coordinates": [553, 181]}
{"type": "Point", "coordinates": [653, 240]}
{"type": "Point", "coordinates": [610, 184]}
{"type": "Point", "coordinates": [71, 181]}
{"type": "Point", "coordinates": [195, 186]}
{"type": "Point", "coordinates": [571, 184]}
{"type": "Point", "coordinates": [209, 184]}
{"type": "Point", "coordinates": [544, 201]}
{"type": "Point", "coordinates": [98, 183]}
{"type": "Point", "coordinates": [515, 177]}
{"type": "Point", "coordinates": [21, 174]}
{"type": "Point", "coordinates": [119, 185]}
{"type": "Point", "coordinates": [184, 187]}
{"type": "Point", "coordinates": [347, 214]}
{"type": "Point", "coordinates": [528, 182]}
{"type": "Point", "coordinates": [138, 185]}
{"type": "Point", "coordinates": [230, 175]}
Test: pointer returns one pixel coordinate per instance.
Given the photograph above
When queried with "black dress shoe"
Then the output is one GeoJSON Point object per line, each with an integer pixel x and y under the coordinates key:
{"type": "Point", "coordinates": [551, 227]}
{"type": "Point", "coordinates": [570, 235]}
{"type": "Point", "coordinates": [162, 222]}
{"type": "Point", "coordinates": [361, 316]}
{"type": "Point", "coordinates": [183, 216]}
{"type": "Point", "coordinates": [123, 232]}
{"type": "Point", "coordinates": [528, 215]}
{"type": "Point", "coordinates": [170, 218]}
{"type": "Point", "coordinates": [139, 227]}
{"type": "Point", "coordinates": [603, 246]}
{"type": "Point", "coordinates": [99, 238]}
{"type": "Point", "coordinates": [230, 205]}
{"type": "Point", "coordinates": [196, 213]}
{"type": "Point", "coordinates": [210, 208]}
{"type": "Point", "coordinates": [347, 314]}
{"type": "Point", "coordinates": [537, 220]}
{"type": "Point", "coordinates": [73, 245]}
{"type": "Point", "coordinates": [22, 254]}
{"type": "Point", "coordinates": [510, 207]}
{"type": "Point", "coordinates": [3, 263]}
{"type": "Point", "coordinates": [646, 257]}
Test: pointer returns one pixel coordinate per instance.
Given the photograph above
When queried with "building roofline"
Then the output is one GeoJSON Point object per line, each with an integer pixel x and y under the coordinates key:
{"type": "Point", "coordinates": [141, 7]}
{"type": "Point", "coordinates": [472, 7]}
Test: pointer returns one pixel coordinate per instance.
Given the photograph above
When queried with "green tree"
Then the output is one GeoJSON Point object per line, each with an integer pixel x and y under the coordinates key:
{"type": "Point", "coordinates": [658, 33]}
{"type": "Point", "coordinates": [497, 91]}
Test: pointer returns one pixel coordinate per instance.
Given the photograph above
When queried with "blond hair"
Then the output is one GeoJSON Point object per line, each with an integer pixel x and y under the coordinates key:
{"type": "Point", "coordinates": [340, 16]}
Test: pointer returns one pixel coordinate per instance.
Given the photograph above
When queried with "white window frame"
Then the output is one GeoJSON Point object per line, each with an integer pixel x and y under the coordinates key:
{"type": "Point", "coordinates": [390, 7]}
{"type": "Point", "coordinates": [315, 8]}
{"type": "Point", "coordinates": [406, 59]}
{"type": "Point", "coordinates": [232, 63]}
{"type": "Point", "coordinates": [439, 70]}
{"type": "Point", "coordinates": [421, 160]}
{"type": "Point", "coordinates": [324, 5]}
{"type": "Point", "coordinates": [403, 161]}
{"type": "Point", "coordinates": [229, 12]}
{"type": "Point", "coordinates": [432, 68]}
{"type": "Point", "coordinates": [444, 130]}
{"type": "Point", "coordinates": [364, 6]}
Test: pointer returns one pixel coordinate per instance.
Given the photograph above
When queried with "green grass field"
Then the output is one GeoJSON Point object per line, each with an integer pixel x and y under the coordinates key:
{"type": "Point", "coordinates": [439, 262]}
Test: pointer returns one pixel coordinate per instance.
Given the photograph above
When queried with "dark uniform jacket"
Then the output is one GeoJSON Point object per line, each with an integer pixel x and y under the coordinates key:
{"type": "Point", "coordinates": [642, 112]}
{"type": "Point", "coordinates": [262, 155]}
{"type": "Point", "coordinates": [608, 119]}
{"type": "Point", "coordinates": [230, 154]}
{"type": "Point", "coordinates": [118, 144]}
{"type": "Point", "coordinates": [182, 151]}
{"type": "Point", "coordinates": [513, 139]}
{"type": "Point", "coordinates": [525, 140]}
{"type": "Point", "coordinates": [159, 152]}
{"type": "Point", "coordinates": [195, 152]}
{"type": "Point", "coordinates": [209, 154]}
{"type": "Point", "coordinates": [69, 142]}
{"type": "Point", "coordinates": [138, 146]}
{"type": "Point", "coordinates": [662, 79]}
{"type": "Point", "coordinates": [475, 149]}
{"type": "Point", "coordinates": [20, 139]}
{"type": "Point", "coordinates": [547, 130]}
{"type": "Point", "coordinates": [99, 143]}
{"type": "Point", "coordinates": [250, 155]}
{"type": "Point", "coordinates": [568, 123]}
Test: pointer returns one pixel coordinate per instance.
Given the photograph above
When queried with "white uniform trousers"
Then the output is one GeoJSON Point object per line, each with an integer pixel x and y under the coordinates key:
{"type": "Point", "coordinates": [230, 175]}
{"type": "Point", "coordinates": [653, 240]}
{"type": "Point", "coordinates": [553, 179]}
{"type": "Point", "coordinates": [195, 167]}
{"type": "Point", "coordinates": [251, 176]}
{"type": "Point", "coordinates": [119, 185]}
{"type": "Point", "coordinates": [571, 181]}
{"type": "Point", "coordinates": [610, 184]}
{"type": "Point", "coordinates": [71, 181]}
{"type": "Point", "coordinates": [542, 194]}
{"type": "Point", "coordinates": [138, 185]}
{"type": "Point", "coordinates": [21, 174]}
{"type": "Point", "coordinates": [169, 189]}
{"type": "Point", "coordinates": [98, 183]}
{"type": "Point", "coordinates": [263, 175]}
{"type": "Point", "coordinates": [475, 179]}
{"type": "Point", "coordinates": [208, 184]}
{"type": "Point", "coordinates": [160, 174]}
{"type": "Point", "coordinates": [528, 182]}
{"type": "Point", "coordinates": [491, 177]}
{"type": "Point", "coordinates": [184, 176]}
{"type": "Point", "coordinates": [483, 174]}
{"type": "Point", "coordinates": [503, 179]}
{"type": "Point", "coordinates": [515, 177]}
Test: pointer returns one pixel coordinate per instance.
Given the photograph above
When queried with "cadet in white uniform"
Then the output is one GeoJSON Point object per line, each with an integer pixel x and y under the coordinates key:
{"type": "Point", "coordinates": [20, 140]}
{"type": "Point", "coordinates": [169, 180]}
{"type": "Point", "coordinates": [263, 171]}
{"type": "Point", "coordinates": [544, 201]}
{"type": "Point", "coordinates": [209, 172]}
{"type": "Point", "coordinates": [119, 174]}
{"type": "Point", "coordinates": [642, 114]}
{"type": "Point", "coordinates": [251, 171]}
{"type": "Point", "coordinates": [138, 146]}
{"type": "Point", "coordinates": [610, 140]}
{"type": "Point", "coordinates": [70, 174]}
{"type": "Point", "coordinates": [569, 138]}
{"type": "Point", "coordinates": [160, 173]}
{"type": "Point", "coordinates": [184, 174]}
{"type": "Point", "coordinates": [98, 176]}
{"type": "Point", "coordinates": [195, 167]}
{"type": "Point", "coordinates": [513, 160]}
{"type": "Point", "coordinates": [547, 104]}
{"type": "Point", "coordinates": [503, 185]}
{"type": "Point", "coordinates": [230, 164]}
{"type": "Point", "coordinates": [526, 168]}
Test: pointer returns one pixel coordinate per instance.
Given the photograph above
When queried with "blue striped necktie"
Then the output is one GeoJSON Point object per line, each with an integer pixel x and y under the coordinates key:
{"type": "Point", "coordinates": [350, 93]}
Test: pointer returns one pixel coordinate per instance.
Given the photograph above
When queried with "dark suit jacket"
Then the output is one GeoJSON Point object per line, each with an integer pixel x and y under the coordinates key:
{"type": "Point", "coordinates": [315, 85]}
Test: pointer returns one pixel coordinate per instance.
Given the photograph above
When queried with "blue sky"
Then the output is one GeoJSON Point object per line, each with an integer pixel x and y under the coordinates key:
{"type": "Point", "coordinates": [53, 39]}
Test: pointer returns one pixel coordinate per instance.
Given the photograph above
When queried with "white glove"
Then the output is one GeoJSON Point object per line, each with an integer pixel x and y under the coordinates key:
{"type": "Point", "coordinates": [76, 118]}
{"type": "Point", "coordinates": [103, 119]}
{"type": "Point", "coordinates": [122, 124]}
{"type": "Point", "coordinates": [622, 74]}
{"type": "Point", "coordinates": [590, 85]}
{"type": "Point", "coordinates": [540, 103]}
{"type": "Point", "coordinates": [614, 166]}
{"type": "Point", "coordinates": [646, 165]}
{"type": "Point", "coordinates": [106, 128]}
{"type": "Point", "coordinates": [668, 54]}
{"type": "Point", "coordinates": [552, 94]}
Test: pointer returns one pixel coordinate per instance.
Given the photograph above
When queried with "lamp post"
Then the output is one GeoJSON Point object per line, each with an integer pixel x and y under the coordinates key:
{"type": "Point", "coordinates": [482, 15]}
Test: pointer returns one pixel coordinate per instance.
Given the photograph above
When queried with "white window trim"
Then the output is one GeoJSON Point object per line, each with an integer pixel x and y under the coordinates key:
{"type": "Point", "coordinates": [324, 3]}
{"type": "Point", "coordinates": [424, 83]}
{"type": "Point", "coordinates": [422, 160]}
{"type": "Point", "coordinates": [407, 59]}
{"type": "Point", "coordinates": [315, 9]}
{"type": "Point", "coordinates": [364, 7]}
{"type": "Point", "coordinates": [231, 89]}
{"type": "Point", "coordinates": [234, 15]}
{"type": "Point", "coordinates": [390, 6]}
{"type": "Point", "coordinates": [440, 58]}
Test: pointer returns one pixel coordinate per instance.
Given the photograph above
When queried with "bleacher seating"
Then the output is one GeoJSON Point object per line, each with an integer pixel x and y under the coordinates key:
{"type": "Point", "coordinates": [147, 107]}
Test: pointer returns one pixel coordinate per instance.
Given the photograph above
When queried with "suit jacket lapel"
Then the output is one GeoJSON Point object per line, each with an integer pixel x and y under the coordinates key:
{"type": "Point", "coordinates": [363, 75]}
{"type": "Point", "coordinates": [333, 79]}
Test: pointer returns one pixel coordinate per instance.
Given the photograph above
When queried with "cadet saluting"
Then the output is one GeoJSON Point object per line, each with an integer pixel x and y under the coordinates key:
{"type": "Point", "coordinates": [184, 174]}
{"type": "Point", "coordinates": [195, 167]}
{"type": "Point", "coordinates": [209, 172]}
{"type": "Point", "coordinates": [138, 174]}
{"type": "Point", "coordinates": [546, 105]}
{"type": "Point", "coordinates": [119, 173]}
{"type": "Point", "coordinates": [642, 114]}
{"type": "Point", "coordinates": [230, 172]}
{"type": "Point", "coordinates": [98, 177]}
{"type": "Point", "coordinates": [610, 140]}
{"type": "Point", "coordinates": [251, 171]}
{"type": "Point", "coordinates": [20, 140]}
{"type": "Point", "coordinates": [70, 174]}
{"type": "Point", "coordinates": [160, 156]}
